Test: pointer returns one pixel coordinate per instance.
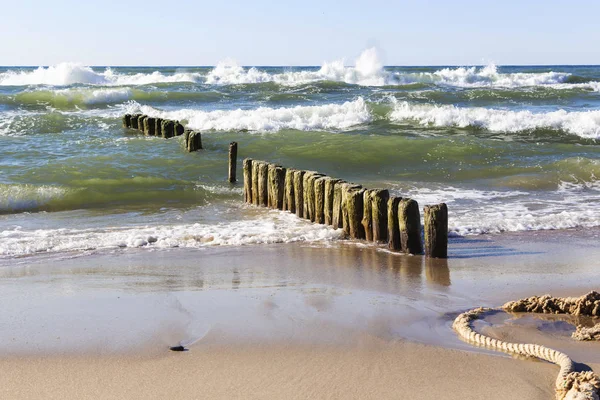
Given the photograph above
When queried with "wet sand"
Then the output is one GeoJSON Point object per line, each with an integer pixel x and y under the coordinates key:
{"type": "Point", "coordinates": [287, 320]}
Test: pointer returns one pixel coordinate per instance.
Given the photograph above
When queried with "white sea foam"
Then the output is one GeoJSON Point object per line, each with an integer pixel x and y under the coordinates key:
{"type": "Point", "coordinates": [276, 227]}
{"type": "Point", "coordinates": [266, 119]}
{"type": "Point", "coordinates": [585, 124]}
{"type": "Point", "coordinates": [95, 96]}
{"type": "Point", "coordinates": [65, 74]}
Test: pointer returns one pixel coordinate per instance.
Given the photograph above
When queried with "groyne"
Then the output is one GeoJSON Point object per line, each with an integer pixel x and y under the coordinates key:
{"type": "Point", "coordinates": [166, 128]}
{"type": "Point", "coordinates": [366, 214]}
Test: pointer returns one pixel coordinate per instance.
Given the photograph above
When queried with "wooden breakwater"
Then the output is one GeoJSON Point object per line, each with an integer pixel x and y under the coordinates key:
{"type": "Point", "coordinates": [368, 214]}
{"type": "Point", "coordinates": [165, 128]}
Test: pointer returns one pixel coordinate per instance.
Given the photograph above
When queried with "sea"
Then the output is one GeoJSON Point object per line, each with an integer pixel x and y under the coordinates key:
{"type": "Point", "coordinates": [507, 148]}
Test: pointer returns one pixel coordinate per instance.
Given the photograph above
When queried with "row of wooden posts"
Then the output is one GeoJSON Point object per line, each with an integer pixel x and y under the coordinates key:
{"type": "Point", "coordinates": [165, 128]}
{"type": "Point", "coordinates": [369, 214]}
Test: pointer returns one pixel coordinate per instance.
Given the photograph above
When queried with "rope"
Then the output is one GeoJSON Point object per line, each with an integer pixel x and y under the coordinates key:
{"type": "Point", "coordinates": [569, 385]}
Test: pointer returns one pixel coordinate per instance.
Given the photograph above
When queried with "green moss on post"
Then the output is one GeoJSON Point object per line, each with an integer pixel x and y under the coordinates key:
{"type": "Point", "coordinates": [393, 227]}
{"type": "Point", "coordinates": [409, 223]}
{"type": "Point", "coordinates": [320, 200]}
{"type": "Point", "coordinates": [305, 193]}
{"type": "Point", "coordinates": [255, 197]}
{"type": "Point", "coordinates": [127, 121]}
{"type": "Point", "coordinates": [167, 128]}
{"type": "Point", "coordinates": [178, 129]}
{"type": "Point", "coordinates": [354, 208]}
{"type": "Point", "coordinates": [263, 184]}
{"type": "Point", "coordinates": [328, 200]}
{"type": "Point", "coordinates": [379, 199]}
{"type": "Point", "coordinates": [367, 218]}
{"type": "Point", "coordinates": [158, 127]}
{"type": "Point", "coordinates": [142, 123]}
{"type": "Point", "coordinates": [337, 215]}
{"type": "Point", "coordinates": [247, 167]}
{"type": "Point", "coordinates": [436, 230]}
{"type": "Point", "coordinates": [289, 200]}
{"type": "Point", "coordinates": [299, 192]}
{"type": "Point", "coordinates": [149, 126]}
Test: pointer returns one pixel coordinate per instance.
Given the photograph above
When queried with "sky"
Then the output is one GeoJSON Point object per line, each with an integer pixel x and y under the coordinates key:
{"type": "Point", "coordinates": [308, 32]}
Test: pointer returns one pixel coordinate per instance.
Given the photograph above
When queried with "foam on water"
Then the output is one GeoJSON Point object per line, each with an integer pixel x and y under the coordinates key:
{"type": "Point", "coordinates": [585, 124]}
{"type": "Point", "coordinates": [266, 119]}
{"type": "Point", "coordinates": [65, 74]}
{"type": "Point", "coordinates": [276, 227]}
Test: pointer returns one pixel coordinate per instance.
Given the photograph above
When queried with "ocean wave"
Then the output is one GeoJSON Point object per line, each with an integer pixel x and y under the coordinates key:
{"type": "Point", "coordinates": [585, 124]}
{"type": "Point", "coordinates": [65, 74]}
{"type": "Point", "coordinates": [266, 119]}
{"type": "Point", "coordinates": [275, 227]}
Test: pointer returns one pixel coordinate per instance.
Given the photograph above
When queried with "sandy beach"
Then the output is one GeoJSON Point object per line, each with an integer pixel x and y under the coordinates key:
{"type": "Point", "coordinates": [286, 321]}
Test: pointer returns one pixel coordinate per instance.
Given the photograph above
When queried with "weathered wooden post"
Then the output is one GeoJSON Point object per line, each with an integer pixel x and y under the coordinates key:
{"type": "Point", "coordinates": [320, 199]}
{"type": "Point", "coordinates": [289, 200]}
{"type": "Point", "coordinates": [127, 121]}
{"type": "Point", "coordinates": [178, 129]}
{"type": "Point", "coordinates": [337, 216]}
{"type": "Point", "coordinates": [379, 199]}
{"type": "Point", "coordinates": [345, 188]}
{"type": "Point", "coordinates": [232, 161]}
{"type": "Point", "coordinates": [354, 208]}
{"type": "Point", "coordinates": [328, 200]}
{"type": "Point", "coordinates": [393, 227]}
{"type": "Point", "coordinates": [299, 192]}
{"type": "Point", "coordinates": [158, 127]}
{"type": "Point", "coordinates": [367, 218]}
{"type": "Point", "coordinates": [305, 193]}
{"type": "Point", "coordinates": [409, 223]}
{"type": "Point", "coordinates": [167, 128]}
{"type": "Point", "coordinates": [247, 167]}
{"type": "Point", "coordinates": [134, 120]}
{"type": "Point", "coordinates": [149, 126]}
{"type": "Point", "coordinates": [255, 165]}
{"type": "Point", "coordinates": [310, 191]}
{"type": "Point", "coordinates": [263, 184]}
{"type": "Point", "coordinates": [276, 184]}
{"type": "Point", "coordinates": [142, 122]}
{"type": "Point", "coordinates": [193, 140]}
{"type": "Point", "coordinates": [436, 230]}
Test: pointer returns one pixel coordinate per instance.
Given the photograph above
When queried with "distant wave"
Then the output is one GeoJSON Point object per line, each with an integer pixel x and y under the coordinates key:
{"type": "Point", "coordinates": [65, 74]}
{"type": "Point", "coordinates": [266, 119]}
{"type": "Point", "coordinates": [585, 124]}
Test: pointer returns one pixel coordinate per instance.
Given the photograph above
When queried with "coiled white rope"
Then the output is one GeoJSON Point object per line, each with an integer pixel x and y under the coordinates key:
{"type": "Point", "coordinates": [570, 385]}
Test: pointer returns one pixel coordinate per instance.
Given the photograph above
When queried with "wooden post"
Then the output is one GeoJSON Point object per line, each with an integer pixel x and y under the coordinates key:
{"type": "Point", "coordinates": [232, 161]}
{"type": "Point", "coordinates": [354, 208]}
{"type": "Point", "coordinates": [409, 223]}
{"type": "Point", "coordinates": [149, 126]}
{"type": "Point", "coordinates": [255, 197]}
{"type": "Point", "coordinates": [306, 189]}
{"type": "Point", "coordinates": [320, 199]}
{"type": "Point", "coordinates": [193, 140]}
{"type": "Point", "coordinates": [276, 186]}
{"type": "Point", "coordinates": [367, 218]}
{"type": "Point", "coordinates": [134, 120]}
{"type": "Point", "coordinates": [158, 127]}
{"type": "Point", "coordinates": [142, 122]}
{"type": "Point", "coordinates": [328, 200]}
{"type": "Point", "coordinates": [393, 229]}
{"type": "Point", "coordinates": [167, 128]}
{"type": "Point", "coordinates": [310, 190]}
{"type": "Point", "coordinates": [379, 199]}
{"type": "Point", "coordinates": [436, 230]}
{"type": "Point", "coordinates": [289, 200]}
{"type": "Point", "coordinates": [127, 121]}
{"type": "Point", "coordinates": [178, 129]}
{"type": "Point", "coordinates": [346, 187]}
{"type": "Point", "coordinates": [247, 167]}
{"type": "Point", "coordinates": [337, 216]}
{"type": "Point", "coordinates": [299, 192]}
{"type": "Point", "coordinates": [263, 195]}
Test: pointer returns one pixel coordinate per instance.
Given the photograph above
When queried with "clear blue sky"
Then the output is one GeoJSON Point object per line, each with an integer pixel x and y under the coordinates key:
{"type": "Point", "coordinates": [308, 32]}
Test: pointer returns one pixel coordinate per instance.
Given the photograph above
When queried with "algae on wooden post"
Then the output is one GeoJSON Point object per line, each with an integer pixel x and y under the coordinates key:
{"type": "Point", "coordinates": [336, 217]}
{"type": "Point", "coordinates": [436, 230]}
{"type": "Point", "coordinates": [142, 122]}
{"type": "Point", "coordinates": [134, 120]}
{"type": "Point", "coordinates": [305, 191]}
{"type": "Point", "coordinates": [320, 200]}
{"type": "Point", "coordinates": [328, 200]}
{"type": "Point", "coordinates": [178, 129]}
{"type": "Point", "coordinates": [263, 178]}
{"type": "Point", "coordinates": [289, 200]}
{"type": "Point", "coordinates": [232, 161]}
{"type": "Point", "coordinates": [149, 126]}
{"type": "Point", "coordinates": [247, 167]}
{"type": "Point", "coordinates": [299, 192]}
{"type": "Point", "coordinates": [193, 140]}
{"type": "Point", "coordinates": [409, 223]}
{"type": "Point", "coordinates": [367, 218]}
{"type": "Point", "coordinates": [379, 199]}
{"type": "Point", "coordinates": [167, 128]}
{"type": "Point", "coordinates": [310, 190]}
{"type": "Point", "coordinates": [278, 186]}
{"type": "Point", "coordinates": [255, 197]}
{"type": "Point", "coordinates": [354, 208]}
{"type": "Point", "coordinates": [393, 227]}
{"type": "Point", "coordinates": [127, 121]}
{"type": "Point", "coordinates": [158, 127]}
